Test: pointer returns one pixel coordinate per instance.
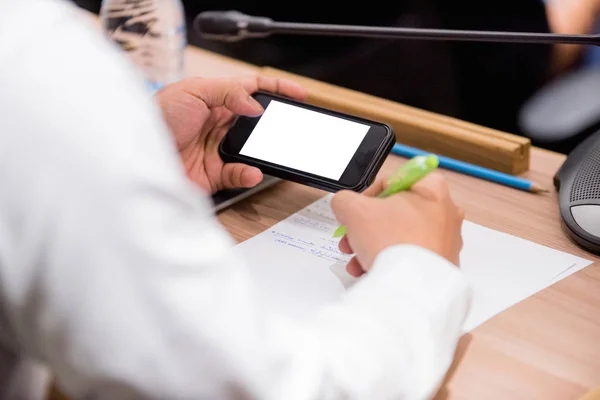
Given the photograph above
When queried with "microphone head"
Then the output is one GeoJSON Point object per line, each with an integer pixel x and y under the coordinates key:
{"type": "Point", "coordinates": [230, 26]}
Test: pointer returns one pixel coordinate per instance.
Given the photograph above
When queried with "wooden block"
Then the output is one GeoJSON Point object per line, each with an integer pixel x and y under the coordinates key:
{"type": "Point", "coordinates": [423, 129]}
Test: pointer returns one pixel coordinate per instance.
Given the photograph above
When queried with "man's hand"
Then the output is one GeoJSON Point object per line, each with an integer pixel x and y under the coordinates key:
{"type": "Point", "coordinates": [200, 111]}
{"type": "Point", "coordinates": [424, 216]}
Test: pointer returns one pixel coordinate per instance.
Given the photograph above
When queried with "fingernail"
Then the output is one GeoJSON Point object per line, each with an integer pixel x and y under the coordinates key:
{"type": "Point", "coordinates": [255, 104]}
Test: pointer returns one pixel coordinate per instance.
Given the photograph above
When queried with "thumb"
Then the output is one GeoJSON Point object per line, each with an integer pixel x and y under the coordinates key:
{"type": "Point", "coordinates": [348, 207]}
{"type": "Point", "coordinates": [237, 175]}
{"type": "Point", "coordinates": [224, 93]}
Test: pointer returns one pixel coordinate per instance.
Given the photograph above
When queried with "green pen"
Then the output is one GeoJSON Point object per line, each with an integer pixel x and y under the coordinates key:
{"type": "Point", "coordinates": [407, 175]}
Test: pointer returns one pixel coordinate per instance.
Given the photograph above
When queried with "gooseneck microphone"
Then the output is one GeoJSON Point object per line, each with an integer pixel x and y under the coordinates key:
{"type": "Point", "coordinates": [233, 26]}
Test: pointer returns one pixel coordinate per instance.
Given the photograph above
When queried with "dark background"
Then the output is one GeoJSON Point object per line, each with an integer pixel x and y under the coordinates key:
{"type": "Point", "coordinates": [485, 83]}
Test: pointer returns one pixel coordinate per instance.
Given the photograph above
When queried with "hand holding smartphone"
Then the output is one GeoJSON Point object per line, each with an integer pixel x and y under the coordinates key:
{"type": "Point", "coordinates": [310, 145]}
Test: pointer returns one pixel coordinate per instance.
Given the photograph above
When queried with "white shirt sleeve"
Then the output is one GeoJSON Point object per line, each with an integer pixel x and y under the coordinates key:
{"type": "Point", "coordinates": [115, 273]}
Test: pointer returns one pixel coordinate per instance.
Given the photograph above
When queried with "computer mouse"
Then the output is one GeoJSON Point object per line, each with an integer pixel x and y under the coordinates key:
{"type": "Point", "coordinates": [578, 185]}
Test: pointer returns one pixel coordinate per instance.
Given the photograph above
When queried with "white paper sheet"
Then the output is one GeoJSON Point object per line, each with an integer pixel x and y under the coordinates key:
{"type": "Point", "coordinates": [297, 266]}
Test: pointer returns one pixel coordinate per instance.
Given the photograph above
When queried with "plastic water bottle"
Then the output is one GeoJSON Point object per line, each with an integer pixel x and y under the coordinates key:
{"type": "Point", "coordinates": [152, 33]}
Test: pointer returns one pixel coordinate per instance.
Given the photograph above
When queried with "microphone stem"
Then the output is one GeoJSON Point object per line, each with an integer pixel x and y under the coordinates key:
{"type": "Point", "coordinates": [429, 34]}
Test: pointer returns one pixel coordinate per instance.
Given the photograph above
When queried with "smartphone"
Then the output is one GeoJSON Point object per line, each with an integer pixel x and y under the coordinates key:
{"type": "Point", "coordinates": [310, 145]}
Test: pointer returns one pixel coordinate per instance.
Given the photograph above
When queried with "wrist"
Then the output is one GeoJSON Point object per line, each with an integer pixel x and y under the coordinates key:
{"type": "Point", "coordinates": [410, 248]}
{"type": "Point", "coordinates": [439, 252]}
{"type": "Point", "coordinates": [421, 275]}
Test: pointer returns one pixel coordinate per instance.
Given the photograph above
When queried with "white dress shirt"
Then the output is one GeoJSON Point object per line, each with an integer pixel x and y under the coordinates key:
{"type": "Point", "coordinates": [116, 277]}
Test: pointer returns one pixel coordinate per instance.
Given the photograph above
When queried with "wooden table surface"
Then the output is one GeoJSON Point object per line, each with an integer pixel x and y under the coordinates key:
{"type": "Point", "coordinates": [547, 346]}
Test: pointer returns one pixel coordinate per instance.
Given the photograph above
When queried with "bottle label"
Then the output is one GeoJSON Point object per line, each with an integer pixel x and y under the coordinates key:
{"type": "Point", "coordinates": [153, 35]}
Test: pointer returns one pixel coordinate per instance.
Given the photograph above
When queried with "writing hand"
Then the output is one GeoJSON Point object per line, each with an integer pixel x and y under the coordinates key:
{"type": "Point", "coordinates": [424, 216]}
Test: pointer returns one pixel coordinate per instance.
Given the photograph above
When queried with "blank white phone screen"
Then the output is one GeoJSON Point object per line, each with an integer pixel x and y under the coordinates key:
{"type": "Point", "coordinates": [305, 140]}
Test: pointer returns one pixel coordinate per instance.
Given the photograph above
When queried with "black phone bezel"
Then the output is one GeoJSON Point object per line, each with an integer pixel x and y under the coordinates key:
{"type": "Point", "coordinates": [359, 173]}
